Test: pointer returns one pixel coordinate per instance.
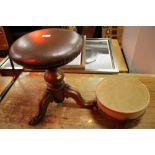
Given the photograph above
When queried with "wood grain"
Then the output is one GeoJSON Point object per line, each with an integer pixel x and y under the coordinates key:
{"type": "Point", "coordinates": [21, 103]}
{"type": "Point", "coordinates": [4, 81]}
{"type": "Point", "coordinates": [118, 56]}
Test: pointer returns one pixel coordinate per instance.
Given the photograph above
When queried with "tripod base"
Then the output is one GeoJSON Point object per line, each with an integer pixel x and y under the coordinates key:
{"type": "Point", "coordinates": [57, 90]}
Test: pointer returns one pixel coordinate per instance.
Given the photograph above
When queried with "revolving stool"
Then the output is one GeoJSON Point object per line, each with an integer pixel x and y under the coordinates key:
{"type": "Point", "coordinates": [49, 49]}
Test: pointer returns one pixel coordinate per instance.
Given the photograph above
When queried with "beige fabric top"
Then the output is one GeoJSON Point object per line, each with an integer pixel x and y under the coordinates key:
{"type": "Point", "coordinates": [123, 94]}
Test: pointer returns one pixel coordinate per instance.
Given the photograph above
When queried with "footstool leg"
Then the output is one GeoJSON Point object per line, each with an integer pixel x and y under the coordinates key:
{"type": "Point", "coordinates": [47, 98]}
{"type": "Point", "coordinates": [70, 92]}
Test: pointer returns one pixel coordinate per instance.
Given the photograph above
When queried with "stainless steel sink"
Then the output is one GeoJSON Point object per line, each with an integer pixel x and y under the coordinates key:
{"type": "Point", "coordinates": [99, 55]}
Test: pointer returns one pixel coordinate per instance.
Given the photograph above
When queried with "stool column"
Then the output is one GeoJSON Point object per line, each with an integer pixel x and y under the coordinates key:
{"type": "Point", "coordinates": [54, 92]}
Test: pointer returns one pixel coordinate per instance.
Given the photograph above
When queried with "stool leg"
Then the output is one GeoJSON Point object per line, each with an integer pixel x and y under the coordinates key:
{"type": "Point", "coordinates": [47, 98]}
{"type": "Point", "coordinates": [70, 92]}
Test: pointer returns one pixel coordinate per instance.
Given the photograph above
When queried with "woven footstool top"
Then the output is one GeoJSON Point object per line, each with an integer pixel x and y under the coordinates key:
{"type": "Point", "coordinates": [46, 48]}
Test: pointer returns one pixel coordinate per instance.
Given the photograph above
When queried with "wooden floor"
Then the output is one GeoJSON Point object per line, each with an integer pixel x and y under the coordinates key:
{"type": "Point", "coordinates": [21, 103]}
{"type": "Point", "coordinates": [4, 81]}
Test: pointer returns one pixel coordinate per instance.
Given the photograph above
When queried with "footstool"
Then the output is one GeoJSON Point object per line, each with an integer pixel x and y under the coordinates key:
{"type": "Point", "coordinates": [50, 49]}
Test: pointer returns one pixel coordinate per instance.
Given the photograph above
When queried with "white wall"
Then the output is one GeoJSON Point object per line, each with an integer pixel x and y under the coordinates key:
{"type": "Point", "coordinates": [138, 43]}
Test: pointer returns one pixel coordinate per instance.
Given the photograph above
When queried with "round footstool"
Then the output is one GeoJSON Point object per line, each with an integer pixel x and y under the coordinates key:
{"type": "Point", "coordinates": [122, 97]}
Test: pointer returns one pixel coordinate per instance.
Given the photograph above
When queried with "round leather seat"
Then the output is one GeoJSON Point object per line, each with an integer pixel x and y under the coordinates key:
{"type": "Point", "coordinates": [46, 48]}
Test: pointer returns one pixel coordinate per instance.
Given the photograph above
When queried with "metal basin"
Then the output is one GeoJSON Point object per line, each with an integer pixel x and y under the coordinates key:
{"type": "Point", "coordinates": [99, 56]}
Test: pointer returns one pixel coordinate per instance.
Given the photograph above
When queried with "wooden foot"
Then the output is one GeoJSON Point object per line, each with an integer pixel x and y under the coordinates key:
{"type": "Point", "coordinates": [47, 98]}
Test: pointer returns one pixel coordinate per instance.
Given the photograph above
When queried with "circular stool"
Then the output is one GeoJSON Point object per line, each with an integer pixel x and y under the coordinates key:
{"type": "Point", "coordinates": [49, 49]}
{"type": "Point", "coordinates": [121, 97]}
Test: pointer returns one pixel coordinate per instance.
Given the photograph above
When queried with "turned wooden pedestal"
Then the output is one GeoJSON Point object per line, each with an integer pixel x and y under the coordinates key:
{"type": "Point", "coordinates": [56, 91]}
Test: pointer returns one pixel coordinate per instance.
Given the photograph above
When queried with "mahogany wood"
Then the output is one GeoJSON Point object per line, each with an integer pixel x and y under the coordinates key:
{"type": "Point", "coordinates": [21, 103]}
{"type": "Point", "coordinates": [56, 91]}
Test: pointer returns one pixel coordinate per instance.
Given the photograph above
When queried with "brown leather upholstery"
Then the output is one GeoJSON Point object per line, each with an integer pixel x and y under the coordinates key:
{"type": "Point", "coordinates": [46, 48]}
